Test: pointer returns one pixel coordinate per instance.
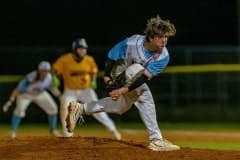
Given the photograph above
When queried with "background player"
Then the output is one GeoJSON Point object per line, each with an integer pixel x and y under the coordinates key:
{"type": "Point", "coordinates": [130, 55]}
{"type": "Point", "coordinates": [33, 89]}
{"type": "Point", "coordinates": [79, 72]}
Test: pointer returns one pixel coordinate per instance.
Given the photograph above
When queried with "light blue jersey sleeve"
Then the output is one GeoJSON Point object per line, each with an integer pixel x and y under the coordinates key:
{"type": "Point", "coordinates": [118, 51]}
{"type": "Point", "coordinates": [157, 67]}
{"type": "Point", "coordinates": [22, 86]}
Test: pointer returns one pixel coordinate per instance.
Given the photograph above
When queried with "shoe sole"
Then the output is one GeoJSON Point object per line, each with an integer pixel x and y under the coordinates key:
{"type": "Point", "coordinates": [163, 149]}
{"type": "Point", "coordinates": [68, 126]}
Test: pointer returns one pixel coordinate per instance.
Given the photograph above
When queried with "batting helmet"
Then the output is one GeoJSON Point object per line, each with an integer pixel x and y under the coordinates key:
{"type": "Point", "coordinates": [79, 43]}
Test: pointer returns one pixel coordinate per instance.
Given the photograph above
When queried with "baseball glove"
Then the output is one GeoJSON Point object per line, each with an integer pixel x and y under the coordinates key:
{"type": "Point", "coordinates": [126, 78]}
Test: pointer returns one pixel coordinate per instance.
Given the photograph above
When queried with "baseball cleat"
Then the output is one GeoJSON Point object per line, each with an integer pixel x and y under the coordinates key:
{"type": "Point", "coordinates": [55, 133]}
{"type": "Point", "coordinates": [116, 135]}
{"type": "Point", "coordinates": [75, 113]}
{"type": "Point", "coordinates": [162, 145]}
{"type": "Point", "coordinates": [67, 134]}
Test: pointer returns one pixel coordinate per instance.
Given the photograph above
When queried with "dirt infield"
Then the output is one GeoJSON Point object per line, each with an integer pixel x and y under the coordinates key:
{"type": "Point", "coordinates": [89, 148]}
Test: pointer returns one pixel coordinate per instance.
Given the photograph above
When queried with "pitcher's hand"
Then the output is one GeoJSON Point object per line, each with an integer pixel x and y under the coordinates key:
{"type": "Point", "coordinates": [116, 93]}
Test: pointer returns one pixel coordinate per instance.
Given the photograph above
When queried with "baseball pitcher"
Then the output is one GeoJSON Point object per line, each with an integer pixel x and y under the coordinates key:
{"type": "Point", "coordinates": [143, 57]}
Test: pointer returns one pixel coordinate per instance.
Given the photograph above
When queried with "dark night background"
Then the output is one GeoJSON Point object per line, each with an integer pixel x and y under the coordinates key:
{"type": "Point", "coordinates": [207, 33]}
{"type": "Point", "coordinates": [102, 22]}
{"type": "Point", "coordinates": [32, 31]}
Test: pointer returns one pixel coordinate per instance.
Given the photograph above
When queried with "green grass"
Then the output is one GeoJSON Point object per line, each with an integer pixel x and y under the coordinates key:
{"type": "Point", "coordinates": [201, 126]}
{"type": "Point", "coordinates": [186, 126]}
{"type": "Point", "coordinates": [141, 126]}
{"type": "Point", "coordinates": [211, 145]}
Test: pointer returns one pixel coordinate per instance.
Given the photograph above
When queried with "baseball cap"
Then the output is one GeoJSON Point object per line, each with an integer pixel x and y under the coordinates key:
{"type": "Point", "coordinates": [44, 66]}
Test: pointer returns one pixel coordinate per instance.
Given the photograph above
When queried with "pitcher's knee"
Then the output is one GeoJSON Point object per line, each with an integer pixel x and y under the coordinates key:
{"type": "Point", "coordinates": [119, 111]}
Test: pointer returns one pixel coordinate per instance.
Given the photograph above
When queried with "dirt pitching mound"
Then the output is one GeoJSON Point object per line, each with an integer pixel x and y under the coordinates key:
{"type": "Point", "coordinates": [82, 148]}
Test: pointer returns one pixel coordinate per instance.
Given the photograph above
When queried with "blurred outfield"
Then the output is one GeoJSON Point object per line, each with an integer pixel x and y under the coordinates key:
{"type": "Point", "coordinates": [197, 97]}
{"type": "Point", "coordinates": [220, 136]}
{"type": "Point", "coordinates": [201, 83]}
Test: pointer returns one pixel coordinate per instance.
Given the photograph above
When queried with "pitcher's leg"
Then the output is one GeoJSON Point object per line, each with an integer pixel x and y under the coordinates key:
{"type": "Point", "coordinates": [76, 110]}
{"type": "Point", "coordinates": [89, 95]}
{"type": "Point", "coordinates": [108, 105]}
{"type": "Point", "coordinates": [147, 111]}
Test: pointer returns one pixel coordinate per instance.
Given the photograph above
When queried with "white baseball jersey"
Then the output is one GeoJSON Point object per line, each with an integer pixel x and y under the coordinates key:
{"type": "Point", "coordinates": [31, 85]}
{"type": "Point", "coordinates": [131, 50]}
{"type": "Point", "coordinates": [33, 90]}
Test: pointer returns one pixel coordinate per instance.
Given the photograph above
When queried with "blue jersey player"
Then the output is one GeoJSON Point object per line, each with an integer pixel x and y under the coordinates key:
{"type": "Point", "coordinates": [33, 88]}
{"type": "Point", "coordinates": [148, 51]}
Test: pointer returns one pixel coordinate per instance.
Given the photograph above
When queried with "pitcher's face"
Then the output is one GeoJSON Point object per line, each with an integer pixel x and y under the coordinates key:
{"type": "Point", "coordinates": [159, 41]}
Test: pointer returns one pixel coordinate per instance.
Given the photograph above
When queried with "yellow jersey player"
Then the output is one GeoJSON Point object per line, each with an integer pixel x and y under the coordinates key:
{"type": "Point", "coordinates": [79, 72]}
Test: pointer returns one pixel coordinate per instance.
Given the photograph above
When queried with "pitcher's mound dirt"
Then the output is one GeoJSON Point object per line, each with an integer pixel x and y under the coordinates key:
{"type": "Point", "coordinates": [82, 148]}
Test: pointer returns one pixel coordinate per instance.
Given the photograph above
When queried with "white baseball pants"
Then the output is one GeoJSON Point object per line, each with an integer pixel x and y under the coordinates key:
{"type": "Point", "coordinates": [141, 97]}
